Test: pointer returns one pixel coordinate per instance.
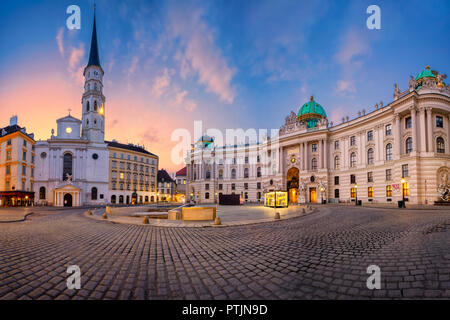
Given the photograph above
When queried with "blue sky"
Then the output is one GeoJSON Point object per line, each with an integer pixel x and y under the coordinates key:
{"type": "Point", "coordinates": [232, 64]}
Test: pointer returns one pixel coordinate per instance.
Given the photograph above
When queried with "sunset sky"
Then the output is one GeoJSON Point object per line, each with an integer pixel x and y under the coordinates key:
{"type": "Point", "coordinates": [231, 63]}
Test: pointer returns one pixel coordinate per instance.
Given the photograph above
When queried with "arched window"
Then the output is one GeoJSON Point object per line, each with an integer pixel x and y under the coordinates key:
{"type": "Point", "coordinates": [246, 173]}
{"type": "Point", "coordinates": [146, 198]}
{"type": "Point", "coordinates": [113, 199]}
{"type": "Point", "coordinates": [258, 172]}
{"type": "Point", "coordinates": [370, 156]}
{"type": "Point", "coordinates": [87, 106]}
{"type": "Point", "coordinates": [95, 105]}
{"type": "Point", "coordinates": [314, 164]}
{"type": "Point", "coordinates": [42, 193]}
{"type": "Point", "coordinates": [352, 159]}
{"type": "Point", "coordinates": [389, 151]}
{"type": "Point", "coordinates": [409, 145]}
{"type": "Point", "coordinates": [152, 199]}
{"type": "Point", "coordinates": [233, 173]}
{"type": "Point", "coordinates": [67, 165]}
{"type": "Point", "coordinates": [336, 163]}
{"type": "Point", "coordinates": [440, 146]}
{"type": "Point", "coordinates": [120, 199]}
{"type": "Point", "coordinates": [94, 193]}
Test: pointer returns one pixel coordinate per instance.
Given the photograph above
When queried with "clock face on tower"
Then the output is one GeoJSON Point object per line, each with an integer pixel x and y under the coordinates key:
{"type": "Point", "coordinates": [69, 130]}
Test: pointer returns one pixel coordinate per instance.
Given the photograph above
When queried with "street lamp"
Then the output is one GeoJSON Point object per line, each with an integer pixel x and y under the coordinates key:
{"type": "Point", "coordinates": [403, 192]}
{"type": "Point", "coordinates": [356, 194]}
{"type": "Point", "coordinates": [322, 189]}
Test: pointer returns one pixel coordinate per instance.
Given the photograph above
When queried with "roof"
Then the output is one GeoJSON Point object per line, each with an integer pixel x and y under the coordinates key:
{"type": "Point", "coordinates": [311, 108]}
{"type": "Point", "coordinates": [427, 73]}
{"type": "Point", "coordinates": [69, 118]}
{"type": "Point", "coordinates": [205, 138]}
{"type": "Point", "coordinates": [163, 176]}
{"type": "Point", "coordinates": [94, 58]}
{"type": "Point", "coordinates": [11, 129]}
{"type": "Point", "coordinates": [181, 172]}
{"type": "Point", "coordinates": [130, 147]}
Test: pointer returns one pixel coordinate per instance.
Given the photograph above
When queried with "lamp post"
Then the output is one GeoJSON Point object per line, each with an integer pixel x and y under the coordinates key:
{"type": "Point", "coordinates": [356, 194]}
{"type": "Point", "coordinates": [403, 192]}
{"type": "Point", "coordinates": [322, 189]}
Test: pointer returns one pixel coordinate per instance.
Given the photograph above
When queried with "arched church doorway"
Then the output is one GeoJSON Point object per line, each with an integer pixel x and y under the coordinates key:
{"type": "Point", "coordinates": [67, 200]}
{"type": "Point", "coordinates": [292, 184]}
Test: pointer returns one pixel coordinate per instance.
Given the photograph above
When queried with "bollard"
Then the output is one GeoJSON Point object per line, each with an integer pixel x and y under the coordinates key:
{"type": "Point", "coordinates": [217, 221]}
{"type": "Point", "coordinates": [145, 220]}
{"type": "Point", "coordinates": [277, 215]}
{"type": "Point", "coordinates": [104, 216]}
{"type": "Point", "coordinates": [89, 212]}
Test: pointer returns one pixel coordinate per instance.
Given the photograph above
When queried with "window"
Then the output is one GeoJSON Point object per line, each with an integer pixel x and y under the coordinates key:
{"type": "Point", "coordinates": [246, 159]}
{"type": "Point", "coordinates": [405, 188]}
{"type": "Point", "coordinates": [408, 145]}
{"type": "Point", "coordinates": [314, 147]}
{"type": "Point", "coordinates": [336, 193]}
{"type": "Point", "coordinates": [370, 156]}
{"type": "Point", "coordinates": [24, 170]}
{"type": "Point", "coordinates": [67, 165]}
{"type": "Point", "coordinates": [388, 174]}
{"type": "Point", "coordinates": [352, 179]}
{"type": "Point", "coordinates": [370, 192]}
{"type": "Point", "coordinates": [388, 129]}
{"type": "Point", "coordinates": [114, 186]}
{"type": "Point", "coordinates": [370, 176]}
{"type": "Point", "coordinates": [8, 143]}
{"type": "Point", "coordinates": [208, 174]}
{"type": "Point", "coordinates": [233, 186]}
{"type": "Point", "coordinates": [94, 193]}
{"type": "Point", "coordinates": [389, 191]}
{"type": "Point", "coordinates": [246, 173]}
{"type": "Point", "coordinates": [336, 163]}
{"type": "Point", "coordinates": [408, 123]}
{"type": "Point", "coordinates": [233, 173]}
{"type": "Point", "coordinates": [258, 172]}
{"type": "Point", "coordinates": [25, 143]}
{"type": "Point", "coordinates": [24, 156]}
{"type": "Point", "coordinates": [336, 145]}
{"type": "Point", "coordinates": [246, 186]}
{"type": "Point", "coordinates": [258, 185]}
{"type": "Point", "coordinates": [95, 105]}
{"type": "Point", "coordinates": [8, 169]}
{"type": "Point", "coordinates": [336, 180]}
{"type": "Point", "coordinates": [207, 195]}
{"type": "Point", "coordinates": [8, 155]}
{"type": "Point", "coordinates": [42, 193]}
{"type": "Point", "coordinates": [258, 158]}
{"type": "Point", "coordinates": [220, 174]}
{"type": "Point", "coordinates": [352, 159]}
{"type": "Point", "coordinates": [369, 135]}
{"type": "Point", "coordinates": [439, 122]}
{"type": "Point", "coordinates": [87, 103]}
{"type": "Point", "coordinates": [352, 140]}
{"type": "Point", "coordinates": [314, 164]}
{"type": "Point", "coordinates": [353, 193]}
{"type": "Point", "coordinates": [207, 186]}
{"type": "Point", "coordinates": [389, 151]}
{"type": "Point", "coordinates": [220, 186]}
{"type": "Point", "coordinates": [7, 185]}
{"type": "Point", "coordinates": [440, 148]}
{"type": "Point", "coordinates": [405, 171]}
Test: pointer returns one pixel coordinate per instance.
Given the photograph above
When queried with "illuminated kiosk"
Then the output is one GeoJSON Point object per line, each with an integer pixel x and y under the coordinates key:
{"type": "Point", "coordinates": [276, 199]}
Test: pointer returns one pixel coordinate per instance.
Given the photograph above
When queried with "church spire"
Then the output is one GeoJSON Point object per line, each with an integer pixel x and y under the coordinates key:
{"type": "Point", "coordinates": [94, 59]}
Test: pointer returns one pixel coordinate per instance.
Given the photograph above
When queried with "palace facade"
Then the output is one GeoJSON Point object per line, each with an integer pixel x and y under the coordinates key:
{"type": "Point", "coordinates": [400, 150]}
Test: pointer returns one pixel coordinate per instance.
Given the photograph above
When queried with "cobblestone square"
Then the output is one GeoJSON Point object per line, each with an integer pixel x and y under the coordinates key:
{"type": "Point", "coordinates": [323, 255]}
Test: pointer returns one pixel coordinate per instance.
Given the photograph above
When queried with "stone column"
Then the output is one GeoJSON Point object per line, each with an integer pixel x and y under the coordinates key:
{"type": "Point", "coordinates": [414, 128]}
{"type": "Point", "coordinates": [447, 146]}
{"type": "Point", "coordinates": [361, 154]}
{"type": "Point", "coordinates": [325, 155]}
{"type": "Point", "coordinates": [422, 130]}
{"type": "Point", "coordinates": [397, 136]}
{"type": "Point", "coordinates": [306, 155]}
{"type": "Point", "coordinates": [429, 131]}
{"type": "Point", "coordinates": [301, 156]}
{"type": "Point", "coordinates": [321, 154]}
{"type": "Point", "coordinates": [380, 142]}
{"type": "Point", "coordinates": [377, 142]}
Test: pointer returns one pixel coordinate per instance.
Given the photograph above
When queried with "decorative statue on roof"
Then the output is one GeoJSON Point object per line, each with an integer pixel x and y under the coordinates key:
{"type": "Point", "coordinates": [412, 83]}
{"type": "Point", "coordinates": [397, 92]}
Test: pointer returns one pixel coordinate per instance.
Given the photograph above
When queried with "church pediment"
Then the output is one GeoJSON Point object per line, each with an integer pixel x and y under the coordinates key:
{"type": "Point", "coordinates": [67, 187]}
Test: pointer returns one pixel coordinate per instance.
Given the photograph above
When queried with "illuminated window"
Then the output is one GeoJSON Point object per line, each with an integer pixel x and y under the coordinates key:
{"type": "Point", "coordinates": [353, 193]}
{"type": "Point", "coordinates": [405, 187]}
{"type": "Point", "coordinates": [370, 192]}
{"type": "Point", "coordinates": [389, 191]}
{"type": "Point", "coordinates": [121, 175]}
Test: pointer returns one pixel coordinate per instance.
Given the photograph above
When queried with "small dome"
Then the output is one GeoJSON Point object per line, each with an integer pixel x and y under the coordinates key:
{"type": "Point", "coordinates": [427, 73]}
{"type": "Point", "coordinates": [311, 112]}
{"type": "Point", "coordinates": [206, 139]}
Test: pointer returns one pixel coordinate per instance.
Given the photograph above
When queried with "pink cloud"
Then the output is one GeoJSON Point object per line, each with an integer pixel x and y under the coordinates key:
{"type": "Point", "coordinates": [60, 41]}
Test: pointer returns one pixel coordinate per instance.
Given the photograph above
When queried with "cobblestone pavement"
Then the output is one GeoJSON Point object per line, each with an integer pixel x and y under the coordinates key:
{"type": "Point", "coordinates": [321, 255]}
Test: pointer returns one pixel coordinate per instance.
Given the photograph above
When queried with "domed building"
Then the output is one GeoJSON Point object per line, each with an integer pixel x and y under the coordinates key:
{"type": "Point", "coordinates": [394, 152]}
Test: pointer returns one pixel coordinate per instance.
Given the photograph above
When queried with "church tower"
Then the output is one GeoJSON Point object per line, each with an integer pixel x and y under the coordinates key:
{"type": "Point", "coordinates": [93, 100]}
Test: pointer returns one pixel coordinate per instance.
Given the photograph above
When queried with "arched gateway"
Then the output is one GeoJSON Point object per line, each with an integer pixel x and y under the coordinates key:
{"type": "Point", "coordinates": [292, 184]}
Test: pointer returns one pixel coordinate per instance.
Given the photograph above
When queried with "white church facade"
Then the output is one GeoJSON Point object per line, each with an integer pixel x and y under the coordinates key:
{"type": "Point", "coordinates": [73, 166]}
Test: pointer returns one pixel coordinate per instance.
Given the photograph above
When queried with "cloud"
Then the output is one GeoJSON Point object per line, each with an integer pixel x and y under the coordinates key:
{"type": "Point", "coordinates": [180, 101]}
{"type": "Point", "coordinates": [60, 41]}
{"type": "Point", "coordinates": [161, 83]}
{"type": "Point", "coordinates": [337, 114]}
{"type": "Point", "coordinates": [74, 64]}
{"type": "Point", "coordinates": [133, 65]}
{"type": "Point", "coordinates": [345, 86]}
{"type": "Point", "coordinates": [200, 55]}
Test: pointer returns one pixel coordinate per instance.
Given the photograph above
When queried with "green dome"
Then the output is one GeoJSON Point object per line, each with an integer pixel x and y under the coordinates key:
{"type": "Point", "coordinates": [311, 112]}
{"type": "Point", "coordinates": [427, 73]}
